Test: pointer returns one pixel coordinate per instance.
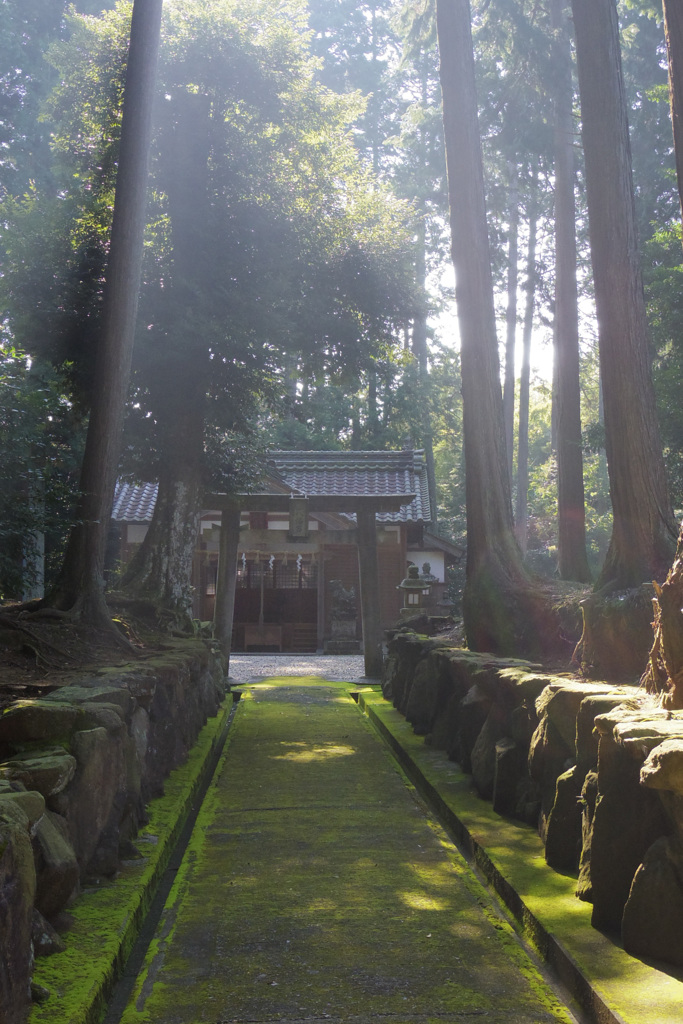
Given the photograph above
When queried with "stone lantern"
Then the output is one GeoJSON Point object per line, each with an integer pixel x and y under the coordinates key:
{"type": "Point", "coordinates": [415, 589]}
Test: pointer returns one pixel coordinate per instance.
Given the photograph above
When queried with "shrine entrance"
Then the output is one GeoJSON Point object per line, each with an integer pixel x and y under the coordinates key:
{"type": "Point", "coordinates": [276, 604]}
{"type": "Point", "coordinates": [298, 508]}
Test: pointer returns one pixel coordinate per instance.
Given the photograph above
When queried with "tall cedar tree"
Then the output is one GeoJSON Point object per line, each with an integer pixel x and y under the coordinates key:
{"type": "Point", "coordinates": [80, 588]}
{"type": "Point", "coordinates": [664, 672]}
{"type": "Point", "coordinates": [571, 515]}
{"type": "Point", "coordinates": [511, 316]}
{"type": "Point", "coordinates": [502, 610]}
{"type": "Point", "coordinates": [673, 28]}
{"type": "Point", "coordinates": [522, 496]}
{"type": "Point", "coordinates": [643, 532]}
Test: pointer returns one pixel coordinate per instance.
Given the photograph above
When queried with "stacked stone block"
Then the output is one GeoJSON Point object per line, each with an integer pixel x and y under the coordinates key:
{"type": "Point", "coordinates": [77, 768]}
{"type": "Point", "coordinates": [597, 769]}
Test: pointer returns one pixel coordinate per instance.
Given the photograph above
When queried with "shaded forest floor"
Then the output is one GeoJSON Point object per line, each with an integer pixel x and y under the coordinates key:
{"type": "Point", "coordinates": [38, 655]}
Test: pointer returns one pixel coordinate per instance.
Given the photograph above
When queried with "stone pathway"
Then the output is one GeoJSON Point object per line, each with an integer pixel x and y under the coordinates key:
{"type": "Point", "coordinates": [317, 888]}
{"type": "Point", "coordinates": [347, 667]}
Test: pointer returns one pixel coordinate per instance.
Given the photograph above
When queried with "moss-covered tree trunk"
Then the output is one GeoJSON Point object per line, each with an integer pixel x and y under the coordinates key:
{"type": "Point", "coordinates": [161, 569]}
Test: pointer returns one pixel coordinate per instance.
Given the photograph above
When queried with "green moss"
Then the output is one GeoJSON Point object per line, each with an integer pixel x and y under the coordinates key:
{"type": "Point", "coordinates": [313, 887]}
{"type": "Point", "coordinates": [106, 920]}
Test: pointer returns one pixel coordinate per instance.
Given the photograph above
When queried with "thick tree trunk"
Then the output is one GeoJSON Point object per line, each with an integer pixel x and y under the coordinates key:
{"type": "Point", "coordinates": [521, 507]}
{"type": "Point", "coordinates": [643, 533]}
{"type": "Point", "coordinates": [162, 568]}
{"type": "Point", "coordinates": [511, 317]}
{"type": "Point", "coordinates": [665, 669]}
{"type": "Point", "coordinates": [673, 28]}
{"type": "Point", "coordinates": [81, 584]}
{"type": "Point", "coordinates": [571, 514]}
{"type": "Point", "coordinates": [664, 673]}
{"type": "Point", "coordinates": [502, 611]}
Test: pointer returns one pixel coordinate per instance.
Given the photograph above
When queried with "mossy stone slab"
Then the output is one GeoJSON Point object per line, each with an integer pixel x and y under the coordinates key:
{"type": "Point", "coordinates": [37, 720]}
{"type": "Point", "coordinates": [48, 774]}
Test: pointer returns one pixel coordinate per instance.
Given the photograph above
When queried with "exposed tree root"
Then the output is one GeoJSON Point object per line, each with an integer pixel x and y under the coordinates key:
{"type": "Point", "coordinates": [525, 618]}
{"type": "Point", "coordinates": [43, 649]}
{"type": "Point", "coordinates": [53, 614]}
{"type": "Point", "coordinates": [664, 672]}
{"type": "Point", "coordinates": [47, 641]}
{"type": "Point", "coordinates": [153, 613]}
{"type": "Point", "coordinates": [616, 636]}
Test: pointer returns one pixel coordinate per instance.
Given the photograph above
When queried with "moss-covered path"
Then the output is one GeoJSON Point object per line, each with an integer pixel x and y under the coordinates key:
{"type": "Point", "coordinates": [316, 887]}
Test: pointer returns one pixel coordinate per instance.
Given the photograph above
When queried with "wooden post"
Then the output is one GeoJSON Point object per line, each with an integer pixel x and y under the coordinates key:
{"type": "Point", "coordinates": [321, 600]}
{"type": "Point", "coordinates": [225, 579]}
{"type": "Point", "coordinates": [369, 593]}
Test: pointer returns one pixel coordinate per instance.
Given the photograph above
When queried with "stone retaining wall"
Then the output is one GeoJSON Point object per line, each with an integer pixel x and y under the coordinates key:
{"type": "Point", "coordinates": [596, 768]}
{"type": "Point", "coordinates": [77, 768]}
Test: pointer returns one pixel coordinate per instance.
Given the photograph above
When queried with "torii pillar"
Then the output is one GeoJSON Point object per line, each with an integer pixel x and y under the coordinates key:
{"type": "Point", "coordinates": [226, 577]}
{"type": "Point", "coordinates": [369, 592]}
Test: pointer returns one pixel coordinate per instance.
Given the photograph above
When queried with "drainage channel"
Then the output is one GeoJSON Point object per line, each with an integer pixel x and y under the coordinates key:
{"type": "Point", "coordinates": [124, 986]}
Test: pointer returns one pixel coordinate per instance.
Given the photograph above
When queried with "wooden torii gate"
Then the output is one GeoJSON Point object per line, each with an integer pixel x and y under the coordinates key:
{"type": "Point", "coordinates": [365, 507]}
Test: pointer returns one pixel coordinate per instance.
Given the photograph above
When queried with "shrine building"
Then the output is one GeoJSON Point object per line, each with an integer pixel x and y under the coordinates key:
{"type": "Point", "coordinates": [314, 558]}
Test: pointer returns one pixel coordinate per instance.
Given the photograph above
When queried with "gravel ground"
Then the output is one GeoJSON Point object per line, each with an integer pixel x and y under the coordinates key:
{"type": "Point", "coordinates": [347, 667]}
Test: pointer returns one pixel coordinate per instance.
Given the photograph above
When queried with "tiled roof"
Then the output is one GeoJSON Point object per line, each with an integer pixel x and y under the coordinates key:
{"type": "Point", "coordinates": [368, 473]}
{"type": "Point", "coordinates": [315, 473]}
{"type": "Point", "coordinates": [134, 503]}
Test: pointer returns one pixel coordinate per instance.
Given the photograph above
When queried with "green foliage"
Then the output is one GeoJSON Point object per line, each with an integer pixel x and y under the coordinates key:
{"type": "Point", "coordinates": [54, 239]}
{"type": "Point", "coordinates": [646, 81]}
{"type": "Point", "coordinates": [39, 453]}
{"type": "Point", "coordinates": [27, 28]}
{"type": "Point", "coordinates": [448, 450]}
{"type": "Point", "coordinates": [299, 250]}
{"type": "Point", "coordinates": [358, 47]}
{"type": "Point", "coordinates": [386, 51]}
{"type": "Point", "coordinates": [663, 275]}
{"type": "Point", "coordinates": [50, 289]}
